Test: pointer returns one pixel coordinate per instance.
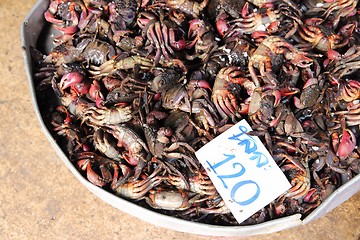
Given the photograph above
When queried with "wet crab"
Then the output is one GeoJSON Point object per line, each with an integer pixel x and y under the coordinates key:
{"type": "Point", "coordinates": [228, 84]}
{"type": "Point", "coordinates": [161, 35]}
{"type": "Point", "coordinates": [268, 56]}
{"type": "Point", "coordinates": [324, 38]}
{"type": "Point", "coordinates": [66, 15]}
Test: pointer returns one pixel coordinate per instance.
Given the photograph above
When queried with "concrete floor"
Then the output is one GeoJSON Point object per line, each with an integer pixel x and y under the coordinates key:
{"type": "Point", "coordinates": [41, 199]}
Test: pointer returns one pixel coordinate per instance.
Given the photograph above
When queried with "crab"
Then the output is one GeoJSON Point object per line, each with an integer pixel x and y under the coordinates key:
{"type": "Point", "coordinates": [270, 54]}
{"type": "Point", "coordinates": [227, 87]}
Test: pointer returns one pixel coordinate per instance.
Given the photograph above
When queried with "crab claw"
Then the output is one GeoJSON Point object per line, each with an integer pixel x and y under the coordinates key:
{"type": "Point", "coordinates": [288, 91]}
{"type": "Point", "coordinates": [85, 147]}
{"type": "Point", "coordinates": [311, 196]}
{"type": "Point", "coordinates": [326, 62]}
{"type": "Point", "coordinates": [270, 90]}
{"type": "Point", "coordinates": [95, 94]}
{"type": "Point", "coordinates": [347, 144]}
{"type": "Point", "coordinates": [299, 59]}
{"type": "Point", "coordinates": [178, 45]}
{"type": "Point", "coordinates": [75, 81]}
{"type": "Point", "coordinates": [354, 83]}
{"type": "Point", "coordinates": [273, 27]}
{"type": "Point", "coordinates": [82, 164]}
{"type": "Point", "coordinates": [132, 160]}
{"type": "Point", "coordinates": [274, 92]}
{"type": "Point", "coordinates": [333, 55]}
{"type": "Point", "coordinates": [200, 83]}
{"type": "Point", "coordinates": [193, 26]}
{"type": "Point", "coordinates": [221, 24]}
{"type": "Point", "coordinates": [277, 96]}
{"type": "Point", "coordinates": [275, 121]}
{"type": "Point", "coordinates": [245, 10]}
{"type": "Point", "coordinates": [222, 27]}
{"type": "Point", "coordinates": [81, 88]}
{"type": "Point", "coordinates": [259, 36]}
{"type": "Point", "coordinates": [297, 103]}
{"type": "Point", "coordinates": [310, 82]}
{"type": "Point", "coordinates": [51, 19]}
{"type": "Point", "coordinates": [70, 79]}
{"type": "Point", "coordinates": [93, 177]}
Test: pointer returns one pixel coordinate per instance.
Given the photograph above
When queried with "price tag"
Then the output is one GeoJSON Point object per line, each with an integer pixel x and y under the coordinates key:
{"type": "Point", "coordinates": [242, 170]}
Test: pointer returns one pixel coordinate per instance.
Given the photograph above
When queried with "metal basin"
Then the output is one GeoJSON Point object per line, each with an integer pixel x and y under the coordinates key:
{"type": "Point", "coordinates": [34, 33]}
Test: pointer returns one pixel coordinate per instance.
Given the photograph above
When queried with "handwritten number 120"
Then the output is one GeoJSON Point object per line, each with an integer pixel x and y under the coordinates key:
{"type": "Point", "coordinates": [238, 185]}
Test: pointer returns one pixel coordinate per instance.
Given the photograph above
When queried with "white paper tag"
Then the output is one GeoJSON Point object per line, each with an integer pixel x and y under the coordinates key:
{"type": "Point", "coordinates": [242, 170]}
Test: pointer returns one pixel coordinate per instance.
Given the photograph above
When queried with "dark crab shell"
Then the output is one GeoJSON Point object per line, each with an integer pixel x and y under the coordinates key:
{"type": "Point", "coordinates": [34, 31]}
